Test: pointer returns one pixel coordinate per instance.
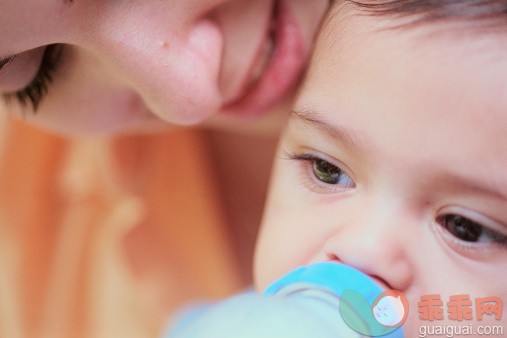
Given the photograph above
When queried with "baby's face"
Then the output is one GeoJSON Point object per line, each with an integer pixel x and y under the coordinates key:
{"type": "Point", "coordinates": [395, 162]}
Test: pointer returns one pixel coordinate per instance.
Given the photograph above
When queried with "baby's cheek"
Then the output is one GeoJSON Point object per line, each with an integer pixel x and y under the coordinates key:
{"type": "Point", "coordinates": [277, 254]}
{"type": "Point", "coordinates": [268, 264]}
{"type": "Point", "coordinates": [289, 237]}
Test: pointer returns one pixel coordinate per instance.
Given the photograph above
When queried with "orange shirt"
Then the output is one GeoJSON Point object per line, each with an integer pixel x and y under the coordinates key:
{"type": "Point", "coordinates": [104, 237]}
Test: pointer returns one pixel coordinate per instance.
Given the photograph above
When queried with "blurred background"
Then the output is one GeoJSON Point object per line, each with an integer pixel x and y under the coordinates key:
{"type": "Point", "coordinates": [108, 236]}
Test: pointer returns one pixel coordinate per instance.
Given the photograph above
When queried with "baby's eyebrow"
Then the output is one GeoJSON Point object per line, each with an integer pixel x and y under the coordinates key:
{"type": "Point", "coordinates": [316, 121]}
{"type": "Point", "coordinates": [486, 187]}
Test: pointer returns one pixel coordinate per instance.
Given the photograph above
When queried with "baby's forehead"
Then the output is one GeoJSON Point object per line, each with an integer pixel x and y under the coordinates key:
{"type": "Point", "coordinates": [413, 84]}
{"type": "Point", "coordinates": [453, 17]}
{"type": "Point", "coordinates": [488, 13]}
{"type": "Point", "coordinates": [467, 27]}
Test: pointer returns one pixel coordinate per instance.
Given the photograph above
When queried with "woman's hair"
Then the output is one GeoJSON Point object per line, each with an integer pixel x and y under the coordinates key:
{"type": "Point", "coordinates": [485, 12]}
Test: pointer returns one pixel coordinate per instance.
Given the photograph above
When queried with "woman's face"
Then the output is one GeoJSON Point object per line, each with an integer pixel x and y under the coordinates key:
{"type": "Point", "coordinates": [133, 65]}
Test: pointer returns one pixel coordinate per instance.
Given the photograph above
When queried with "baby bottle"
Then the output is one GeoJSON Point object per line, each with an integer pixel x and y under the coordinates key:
{"type": "Point", "coordinates": [323, 300]}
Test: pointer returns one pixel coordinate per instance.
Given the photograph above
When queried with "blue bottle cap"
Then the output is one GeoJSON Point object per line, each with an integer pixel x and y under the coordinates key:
{"type": "Point", "coordinates": [344, 287]}
{"type": "Point", "coordinates": [331, 276]}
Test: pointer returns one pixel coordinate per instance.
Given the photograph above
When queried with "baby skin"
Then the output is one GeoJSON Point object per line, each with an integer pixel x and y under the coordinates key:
{"type": "Point", "coordinates": [394, 161]}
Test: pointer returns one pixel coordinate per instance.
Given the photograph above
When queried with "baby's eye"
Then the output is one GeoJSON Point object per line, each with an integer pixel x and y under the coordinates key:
{"type": "Point", "coordinates": [467, 230]}
{"type": "Point", "coordinates": [320, 175]}
{"type": "Point", "coordinates": [330, 174]}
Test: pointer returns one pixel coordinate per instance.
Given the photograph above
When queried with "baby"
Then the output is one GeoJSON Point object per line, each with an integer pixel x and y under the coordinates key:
{"type": "Point", "coordinates": [394, 160]}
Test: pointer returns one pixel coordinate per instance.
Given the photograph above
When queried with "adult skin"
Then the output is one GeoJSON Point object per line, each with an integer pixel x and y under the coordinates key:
{"type": "Point", "coordinates": [122, 66]}
{"type": "Point", "coordinates": [136, 65]}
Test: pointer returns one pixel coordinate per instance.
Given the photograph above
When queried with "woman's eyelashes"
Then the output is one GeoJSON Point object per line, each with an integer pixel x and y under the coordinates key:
{"type": "Point", "coordinates": [469, 234]}
{"type": "Point", "coordinates": [320, 175]}
{"type": "Point", "coordinates": [35, 91]}
{"type": "Point", "coordinates": [6, 61]}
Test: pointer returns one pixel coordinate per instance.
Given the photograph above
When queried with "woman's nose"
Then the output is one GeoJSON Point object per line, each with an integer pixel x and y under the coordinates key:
{"type": "Point", "coordinates": [375, 243]}
{"type": "Point", "coordinates": [163, 52]}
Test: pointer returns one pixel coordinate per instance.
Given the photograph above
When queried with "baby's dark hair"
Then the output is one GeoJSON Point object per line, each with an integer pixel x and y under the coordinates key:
{"type": "Point", "coordinates": [492, 13]}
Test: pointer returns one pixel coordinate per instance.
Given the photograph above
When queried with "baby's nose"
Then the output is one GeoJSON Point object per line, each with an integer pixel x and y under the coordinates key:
{"type": "Point", "coordinates": [375, 248]}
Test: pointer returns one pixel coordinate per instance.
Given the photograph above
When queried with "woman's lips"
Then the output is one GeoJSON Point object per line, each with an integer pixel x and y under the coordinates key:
{"type": "Point", "coordinates": [277, 67]}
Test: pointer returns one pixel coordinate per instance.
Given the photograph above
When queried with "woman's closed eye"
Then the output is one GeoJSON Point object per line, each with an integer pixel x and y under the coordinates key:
{"type": "Point", "coordinates": [34, 92]}
{"type": "Point", "coordinates": [321, 175]}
